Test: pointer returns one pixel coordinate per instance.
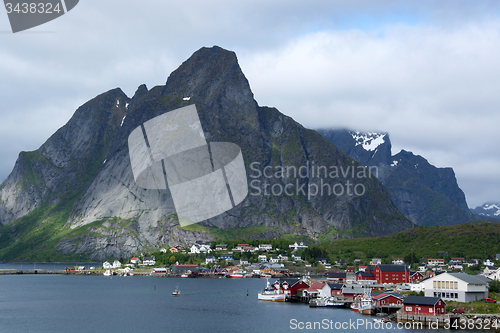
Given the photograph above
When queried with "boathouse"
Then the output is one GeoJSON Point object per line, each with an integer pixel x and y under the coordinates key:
{"type": "Point", "coordinates": [421, 305]}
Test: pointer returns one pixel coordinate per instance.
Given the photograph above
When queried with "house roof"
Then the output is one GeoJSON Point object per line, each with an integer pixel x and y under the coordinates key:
{"type": "Point", "coordinates": [392, 268]}
{"type": "Point", "coordinates": [318, 285]}
{"type": "Point", "coordinates": [365, 274]}
{"type": "Point", "coordinates": [336, 275]}
{"type": "Point", "coordinates": [336, 286]}
{"type": "Point", "coordinates": [385, 295]}
{"type": "Point", "coordinates": [420, 300]}
{"type": "Point", "coordinates": [290, 281]}
{"type": "Point", "coordinates": [353, 289]}
{"type": "Point", "coordinates": [472, 279]}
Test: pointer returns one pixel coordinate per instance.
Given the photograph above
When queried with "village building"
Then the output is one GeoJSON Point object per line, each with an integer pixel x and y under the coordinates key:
{"type": "Point", "coordinates": [298, 246]}
{"type": "Point", "coordinates": [265, 247]}
{"type": "Point", "coordinates": [333, 276]}
{"type": "Point", "coordinates": [435, 262]}
{"type": "Point", "coordinates": [422, 268]}
{"type": "Point", "coordinates": [181, 269]}
{"type": "Point", "coordinates": [220, 247]}
{"type": "Point", "coordinates": [459, 287]}
{"type": "Point", "coordinates": [416, 277]}
{"type": "Point", "coordinates": [290, 286]}
{"type": "Point", "coordinates": [149, 261]}
{"type": "Point", "coordinates": [336, 289]}
{"type": "Point", "coordinates": [398, 261]}
{"type": "Point", "coordinates": [210, 260]}
{"type": "Point", "coordinates": [420, 305]}
{"type": "Point", "coordinates": [262, 258]}
{"type": "Point", "coordinates": [390, 273]}
{"type": "Point", "coordinates": [388, 300]}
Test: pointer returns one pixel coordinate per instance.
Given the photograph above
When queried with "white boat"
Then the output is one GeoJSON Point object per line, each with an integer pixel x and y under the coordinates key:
{"type": "Point", "coordinates": [236, 276]}
{"type": "Point", "coordinates": [328, 302]}
{"type": "Point", "coordinates": [107, 273]}
{"type": "Point", "coordinates": [176, 292]}
{"type": "Point", "coordinates": [364, 304]}
{"type": "Point", "coordinates": [271, 294]}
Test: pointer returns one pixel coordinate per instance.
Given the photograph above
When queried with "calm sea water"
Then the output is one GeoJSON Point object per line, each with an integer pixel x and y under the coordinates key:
{"type": "Point", "coordinates": [59, 303]}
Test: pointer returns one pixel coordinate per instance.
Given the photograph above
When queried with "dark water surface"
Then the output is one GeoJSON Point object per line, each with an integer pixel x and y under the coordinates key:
{"type": "Point", "coordinates": [59, 303]}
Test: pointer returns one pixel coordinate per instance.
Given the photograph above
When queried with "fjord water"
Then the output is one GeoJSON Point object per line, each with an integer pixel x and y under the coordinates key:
{"type": "Point", "coordinates": [65, 303]}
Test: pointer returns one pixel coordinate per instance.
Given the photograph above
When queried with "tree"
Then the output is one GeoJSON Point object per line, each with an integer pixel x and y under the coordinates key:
{"type": "Point", "coordinates": [172, 260]}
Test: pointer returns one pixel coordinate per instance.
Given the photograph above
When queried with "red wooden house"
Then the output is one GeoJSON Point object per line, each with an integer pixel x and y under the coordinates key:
{"type": "Point", "coordinates": [416, 277]}
{"type": "Point", "coordinates": [420, 305]}
{"type": "Point", "coordinates": [391, 273]}
{"type": "Point", "coordinates": [365, 276]}
{"type": "Point", "coordinates": [336, 288]}
{"type": "Point", "coordinates": [289, 286]}
{"type": "Point", "coordinates": [388, 299]}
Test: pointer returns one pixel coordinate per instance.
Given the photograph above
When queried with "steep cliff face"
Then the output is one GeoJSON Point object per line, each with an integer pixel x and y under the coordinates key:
{"type": "Point", "coordinates": [81, 182]}
{"type": "Point", "coordinates": [426, 195]}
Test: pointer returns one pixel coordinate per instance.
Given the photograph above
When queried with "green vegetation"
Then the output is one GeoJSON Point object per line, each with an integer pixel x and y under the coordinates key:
{"type": "Point", "coordinates": [476, 306]}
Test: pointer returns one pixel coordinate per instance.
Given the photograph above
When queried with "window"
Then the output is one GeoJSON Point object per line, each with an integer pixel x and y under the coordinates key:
{"type": "Point", "coordinates": [447, 284]}
{"type": "Point", "coordinates": [408, 308]}
{"type": "Point", "coordinates": [456, 295]}
{"type": "Point", "coordinates": [435, 294]}
{"type": "Point", "coordinates": [434, 283]}
{"type": "Point", "coordinates": [430, 310]}
{"type": "Point", "coordinates": [439, 284]}
{"type": "Point", "coordinates": [456, 284]}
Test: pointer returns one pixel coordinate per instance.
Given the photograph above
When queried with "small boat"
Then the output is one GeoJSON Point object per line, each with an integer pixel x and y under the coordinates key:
{"type": "Point", "coordinates": [107, 273]}
{"type": "Point", "coordinates": [184, 276]}
{"type": "Point", "coordinates": [271, 294]}
{"type": "Point", "coordinates": [381, 320]}
{"type": "Point", "coordinates": [236, 276]}
{"type": "Point", "coordinates": [176, 292]}
{"type": "Point", "coordinates": [327, 302]}
{"type": "Point", "coordinates": [265, 276]}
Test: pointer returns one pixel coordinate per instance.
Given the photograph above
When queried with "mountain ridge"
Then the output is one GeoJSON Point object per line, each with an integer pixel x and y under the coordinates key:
{"type": "Point", "coordinates": [84, 201]}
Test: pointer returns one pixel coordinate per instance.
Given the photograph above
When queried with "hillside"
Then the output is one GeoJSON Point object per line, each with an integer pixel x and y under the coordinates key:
{"type": "Point", "coordinates": [470, 240]}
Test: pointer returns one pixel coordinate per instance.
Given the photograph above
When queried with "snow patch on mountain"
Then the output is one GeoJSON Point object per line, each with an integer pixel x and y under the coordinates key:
{"type": "Point", "coordinates": [368, 140]}
{"type": "Point", "coordinates": [488, 209]}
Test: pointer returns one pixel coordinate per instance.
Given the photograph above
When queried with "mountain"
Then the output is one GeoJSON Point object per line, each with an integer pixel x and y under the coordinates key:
{"type": "Point", "coordinates": [75, 197]}
{"type": "Point", "coordinates": [426, 195]}
{"type": "Point", "coordinates": [487, 212]}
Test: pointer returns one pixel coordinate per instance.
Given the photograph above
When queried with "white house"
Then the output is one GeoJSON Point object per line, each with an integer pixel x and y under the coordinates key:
{"type": "Point", "coordinates": [417, 287]}
{"type": "Point", "coordinates": [106, 265]}
{"type": "Point", "coordinates": [495, 275]}
{"type": "Point", "coordinates": [117, 264]}
{"type": "Point", "coordinates": [296, 257]}
{"type": "Point", "coordinates": [262, 258]}
{"type": "Point", "coordinates": [149, 261]}
{"type": "Point", "coordinates": [435, 262]}
{"type": "Point", "coordinates": [210, 260]}
{"type": "Point", "coordinates": [200, 248]}
{"type": "Point", "coordinates": [488, 262]}
{"type": "Point", "coordinates": [298, 246]}
{"type": "Point", "coordinates": [274, 259]}
{"type": "Point", "coordinates": [265, 247]}
{"type": "Point", "coordinates": [398, 261]}
{"type": "Point", "coordinates": [459, 287]}
{"type": "Point", "coordinates": [422, 268]}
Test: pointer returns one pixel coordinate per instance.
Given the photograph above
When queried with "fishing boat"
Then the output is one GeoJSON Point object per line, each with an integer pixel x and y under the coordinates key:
{"type": "Point", "coordinates": [271, 294]}
{"type": "Point", "coordinates": [364, 304]}
{"type": "Point", "coordinates": [327, 302]}
{"type": "Point", "coordinates": [176, 292]}
{"type": "Point", "coordinates": [236, 276]}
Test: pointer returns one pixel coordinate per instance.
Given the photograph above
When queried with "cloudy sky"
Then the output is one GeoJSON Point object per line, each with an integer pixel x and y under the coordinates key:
{"type": "Point", "coordinates": [427, 72]}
